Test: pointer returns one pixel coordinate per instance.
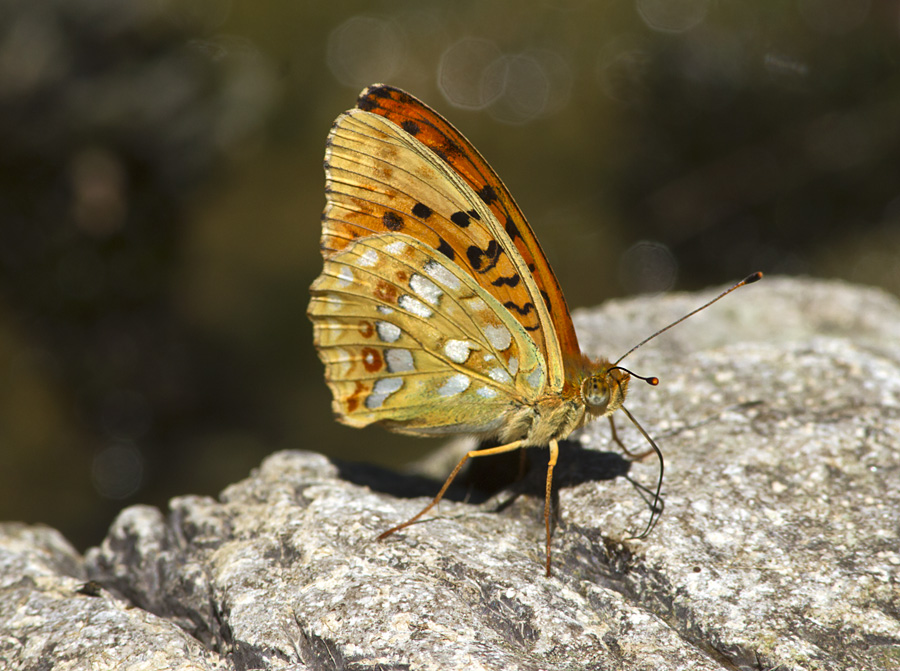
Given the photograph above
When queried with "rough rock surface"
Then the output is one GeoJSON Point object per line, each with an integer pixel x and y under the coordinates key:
{"type": "Point", "coordinates": [779, 547]}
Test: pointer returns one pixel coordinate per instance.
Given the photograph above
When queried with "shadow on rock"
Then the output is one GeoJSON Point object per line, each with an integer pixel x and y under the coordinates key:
{"type": "Point", "coordinates": [523, 470]}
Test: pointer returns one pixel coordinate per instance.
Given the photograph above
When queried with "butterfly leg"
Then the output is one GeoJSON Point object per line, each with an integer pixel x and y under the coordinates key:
{"type": "Point", "coordinates": [635, 456]}
{"type": "Point", "coordinates": [554, 454]}
{"type": "Point", "coordinates": [473, 453]}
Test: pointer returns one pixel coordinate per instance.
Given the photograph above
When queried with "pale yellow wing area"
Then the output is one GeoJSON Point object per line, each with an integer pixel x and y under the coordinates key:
{"type": "Point", "coordinates": [411, 341]}
{"type": "Point", "coordinates": [382, 179]}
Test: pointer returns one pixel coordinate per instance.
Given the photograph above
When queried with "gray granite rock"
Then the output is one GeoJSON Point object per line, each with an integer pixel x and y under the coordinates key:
{"type": "Point", "coordinates": [53, 617]}
{"type": "Point", "coordinates": [779, 547]}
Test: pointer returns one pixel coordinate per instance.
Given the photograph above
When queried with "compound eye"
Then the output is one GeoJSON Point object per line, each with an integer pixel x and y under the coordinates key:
{"type": "Point", "coordinates": [595, 392]}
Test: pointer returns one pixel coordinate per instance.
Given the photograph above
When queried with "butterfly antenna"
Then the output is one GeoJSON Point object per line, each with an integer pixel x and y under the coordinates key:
{"type": "Point", "coordinates": [750, 279]}
{"type": "Point", "coordinates": [655, 509]}
{"type": "Point", "coordinates": [653, 381]}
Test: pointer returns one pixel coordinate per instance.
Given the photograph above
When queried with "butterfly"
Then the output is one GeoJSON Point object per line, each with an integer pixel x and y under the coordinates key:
{"type": "Point", "coordinates": [436, 311]}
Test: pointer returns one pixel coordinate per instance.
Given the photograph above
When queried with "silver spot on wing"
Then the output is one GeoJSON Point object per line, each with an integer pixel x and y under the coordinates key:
{"type": "Point", "coordinates": [458, 350]}
{"type": "Point", "coordinates": [425, 289]}
{"type": "Point", "coordinates": [416, 307]}
{"type": "Point", "coordinates": [455, 385]}
{"type": "Point", "coordinates": [399, 360]}
{"type": "Point", "coordinates": [387, 332]}
{"type": "Point", "coordinates": [382, 389]}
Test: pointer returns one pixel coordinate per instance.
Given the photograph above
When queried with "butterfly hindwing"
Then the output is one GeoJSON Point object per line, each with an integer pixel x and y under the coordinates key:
{"type": "Point", "coordinates": [411, 341]}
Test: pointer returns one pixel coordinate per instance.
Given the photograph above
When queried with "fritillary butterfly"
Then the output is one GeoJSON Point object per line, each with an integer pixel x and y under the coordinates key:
{"type": "Point", "coordinates": [437, 311]}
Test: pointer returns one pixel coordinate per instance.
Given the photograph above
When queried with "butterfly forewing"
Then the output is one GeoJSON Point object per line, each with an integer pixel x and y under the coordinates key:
{"type": "Point", "coordinates": [412, 341]}
{"type": "Point", "coordinates": [381, 179]}
{"type": "Point", "coordinates": [439, 135]}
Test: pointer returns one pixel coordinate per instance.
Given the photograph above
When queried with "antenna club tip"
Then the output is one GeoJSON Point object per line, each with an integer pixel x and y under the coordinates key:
{"type": "Point", "coordinates": [755, 277]}
{"type": "Point", "coordinates": [653, 381]}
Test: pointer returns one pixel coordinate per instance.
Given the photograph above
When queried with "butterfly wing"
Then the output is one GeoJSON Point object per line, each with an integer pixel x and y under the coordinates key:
{"type": "Point", "coordinates": [436, 133]}
{"type": "Point", "coordinates": [412, 341]}
{"type": "Point", "coordinates": [382, 178]}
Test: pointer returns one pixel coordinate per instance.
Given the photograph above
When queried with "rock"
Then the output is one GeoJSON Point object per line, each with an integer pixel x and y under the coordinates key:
{"type": "Point", "coordinates": [779, 546]}
{"type": "Point", "coordinates": [53, 617]}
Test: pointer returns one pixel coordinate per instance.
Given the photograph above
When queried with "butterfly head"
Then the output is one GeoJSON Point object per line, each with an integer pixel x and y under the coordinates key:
{"type": "Point", "coordinates": [603, 391]}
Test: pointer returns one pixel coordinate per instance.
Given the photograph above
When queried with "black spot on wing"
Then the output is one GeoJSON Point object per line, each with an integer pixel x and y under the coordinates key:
{"type": "Point", "coordinates": [474, 254]}
{"type": "Point", "coordinates": [461, 219]}
{"type": "Point", "coordinates": [493, 253]}
{"type": "Point", "coordinates": [421, 211]}
{"type": "Point", "coordinates": [446, 249]}
{"type": "Point", "coordinates": [368, 99]}
{"type": "Point", "coordinates": [523, 310]}
{"type": "Point", "coordinates": [512, 230]}
{"type": "Point", "coordinates": [410, 127]}
{"type": "Point", "coordinates": [483, 260]}
{"type": "Point", "coordinates": [487, 194]}
{"type": "Point", "coordinates": [392, 221]}
{"type": "Point", "coordinates": [367, 103]}
{"type": "Point", "coordinates": [474, 214]}
{"type": "Point", "coordinates": [511, 281]}
{"type": "Point", "coordinates": [546, 298]}
{"type": "Point", "coordinates": [451, 149]}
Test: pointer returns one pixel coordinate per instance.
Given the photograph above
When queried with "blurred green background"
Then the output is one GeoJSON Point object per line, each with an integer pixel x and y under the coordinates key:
{"type": "Point", "coordinates": [161, 186]}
